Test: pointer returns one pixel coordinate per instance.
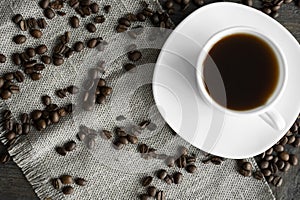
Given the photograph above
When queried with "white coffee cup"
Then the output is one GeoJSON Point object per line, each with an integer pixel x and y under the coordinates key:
{"type": "Point", "coordinates": [266, 112]}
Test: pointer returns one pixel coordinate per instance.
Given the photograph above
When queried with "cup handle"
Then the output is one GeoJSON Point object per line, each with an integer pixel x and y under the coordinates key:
{"type": "Point", "coordinates": [274, 119]}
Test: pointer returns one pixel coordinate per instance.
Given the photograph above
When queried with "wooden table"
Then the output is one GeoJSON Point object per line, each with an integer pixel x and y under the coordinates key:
{"type": "Point", "coordinates": [14, 186]}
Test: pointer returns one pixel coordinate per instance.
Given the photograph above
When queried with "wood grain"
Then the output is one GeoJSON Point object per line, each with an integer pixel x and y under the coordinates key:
{"type": "Point", "coordinates": [14, 185]}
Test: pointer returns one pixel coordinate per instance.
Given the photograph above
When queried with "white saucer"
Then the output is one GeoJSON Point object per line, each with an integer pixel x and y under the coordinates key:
{"type": "Point", "coordinates": [177, 97]}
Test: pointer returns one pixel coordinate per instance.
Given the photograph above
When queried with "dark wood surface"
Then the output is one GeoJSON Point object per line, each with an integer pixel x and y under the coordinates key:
{"type": "Point", "coordinates": [14, 186]}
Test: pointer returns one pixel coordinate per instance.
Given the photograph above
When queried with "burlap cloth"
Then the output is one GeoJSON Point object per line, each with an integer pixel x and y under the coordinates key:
{"type": "Point", "coordinates": [111, 174]}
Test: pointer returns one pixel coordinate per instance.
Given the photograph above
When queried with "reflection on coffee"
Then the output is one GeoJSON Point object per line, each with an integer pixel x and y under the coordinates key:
{"type": "Point", "coordinates": [246, 66]}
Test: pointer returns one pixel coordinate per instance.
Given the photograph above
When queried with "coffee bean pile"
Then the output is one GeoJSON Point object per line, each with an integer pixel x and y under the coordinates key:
{"type": "Point", "coordinates": [67, 147]}
{"type": "Point", "coordinates": [64, 183]}
{"type": "Point", "coordinates": [95, 89]}
{"type": "Point", "coordinates": [8, 85]}
{"type": "Point", "coordinates": [62, 93]}
{"type": "Point", "coordinates": [152, 192]}
{"type": "Point", "coordinates": [272, 7]}
{"type": "Point", "coordinates": [31, 24]}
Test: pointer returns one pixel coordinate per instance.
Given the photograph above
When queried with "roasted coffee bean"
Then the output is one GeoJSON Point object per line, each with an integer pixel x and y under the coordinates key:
{"type": "Point", "coordinates": [151, 190]}
{"type": "Point", "coordinates": [100, 99]}
{"type": "Point", "coordinates": [16, 58]}
{"type": "Point", "coordinates": [291, 139]}
{"type": "Point", "coordinates": [51, 107]}
{"type": "Point", "coordinates": [123, 140]}
{"type": "Point", "coordinates": [35, 76]}
{"type": "Point", "coordinates": [183, 151]}
{"type": "Point", "coordinates": [26, 128]}
{"type": "Point", "coordinates": [258, 175]}
{"type": "Point", "coordinates": [10, 135]}
{"type": "Point", "coordinates": [57, 60]}
{"type": "Point", "coordinates": [247, 166]}
{"type": "Point", "coordinates": [46, 100]}
{"type": "Point", "coordinates": [278, 148]}
{"type": "Point", "coordinates": [286, 167]}
{"type": "Point", "coordinates": [273, 167]}
{"type": "Point", "coordinates": [135, 55]}
{"type": "Point", "coordinates": [39, 67]}
{"type": "Point", "coordinates": [107, 8]}
{"type": "Point", "coordinates": [60, 48]}
{"type": "Point", "coordinates": [181, 162]}
{"type": "Point", "coordinates": [144, 197]}
{"type": "Point", "coordinates": [78, 46]}
{"type": "Point", "coordinates": [248, 2]}
{"type": "Point", "coordinates": [132, 139]}
{"type": "Point", "coordinates": [92, 43]}
{"type": "Point", "coordinates": [293, 159]}
{"type": "Point", "coordinates": [74, 22]}
{"type": "Point", "coordinates": [57, 183]}
{"type": "Point", "coordinates": [170, 161]}
{"type": "Point", "coordinates": [72, 89]}
{"type": "Point", "coordinates": [275, 159]}
{"type": "Point", "coordinates": [28, 70]}
{"type": "Point", "coordinates": [8, 125]}
{"type": "Point", "coordinates": [269, 157]}
{"type": "Point", "coordinates": [4, 158]}
{"type": "Point", "coordinates": [297, 142]}
{"type": "Point", "coordinates": [54, 117]}
{"type": "Point", "coordinates": [169, 4]}
{"type": "Point", "coordinates": [36, 33]}
{"type": "Point", "coordinates": [41, 124]}
{"type": "Point", "coordinates": [25, 118]}
{"type": "Point", "coordinates": [2, 58]}
{"type": "Point", "coordinates": [66, 179]}
{"type": "Point", "coordinates": [277, 181]}
{"type": "Point", "coordinates": [190, 159]}
{"type": "Point", "coordinates": [94, 8]}
{"type": "Point", "coordinates": [49, 13]}
{"type": "Point", "coordinates": [199, 2]}
{"type": "Point", "coordinates": [266, 172]}
{"type": "Point", "coordinates": [124, 21]}
{"type": "Point", "coordinates": [70, 146]}
{"type": "Point", "coordinates": [30, 52]}
{"type": "Point", "coordinates": [9, 76]}
{"type": "Point", "coordinates": [18, 129]}
{"type": "Point", "coordinates": [118, 145]}
{"type": "Point", "coordinates": [168, 179]}
{"type": "Point", "coordinates": [141, 17]}
{"type": "Point", "coordinates": [2, 82]}
{"type": "Point", "coordinates": [99, 19]}
{"type": "Point", "coordinates": [269, 151]}
{"type": "Point", "coordinates": [275, 14]}
{"type": "Point", "coordinates": [29, 63]}
{"type": "Point", "coordinates": [245, 173]}
{"type": "Point", "coordinates": [19, 39]}
{"type": "Point", "coordinates": [42, 23]}
{"type": "Point", "coordinates": [283, 141]}
{"type": "Point", "coordinates": [32, 23]}
{"type": "Point", "coordinates": [143, 148]}
{"type": "Point", "coordinates": [160, 195]}
{"type": "Point", "coordinates": [177, 177]}
{"type": "Point", "coordinates": [101, 82]}
{"type": "Point", "coordinates": [61, 13]}
{"type": "Point", "coordinates": [41, 49]}
{"type": "Point", "coordinates": [81, 181]}
{"type": "Point", "coordinates": [44, 3]}
{"type": "Point", "coordinates": [68, 190]}
{"type": "Point", "coordinates": [280, 164]}
{"type": "Point", "coordinates": [191, 168]}
{"type": "Point", "coordinates": [65, 38]}
{"type": "Point", "coordinates": [216, 160]}
{"type": "Point", "coordinates": [105, 134]}
{"type": "Point", "coordinates": [267, 10]}
{"type": "Point", "coordinates": [23, 25]}
{"type": "Point", "coordinates": [264, 164]}
{"type": "Point", "coordinates": [162, 174]}
{"type": "Point", "coordinates": [14, 89]}
{"type": "Point", "coordinates": [105, 90]}
{"type": "Point", "coordinates": [270, 178]}
{"type": "Point", "coordinates": [284, 156]}
{"type": "Point", "coordinates": [5, 94]}
{"type": "Point", "coordinates": [17, 18]}
{"type": "Point", "coordinates": [91, 27]}
{"type": "Point", "coordinates": [62, 112]}
{"type": "Point", "coordinates": [86, 11]}
{"type": "Point", "coordinates": [147, 181]}
{"type": "Point", "coordinates": [121, 28]}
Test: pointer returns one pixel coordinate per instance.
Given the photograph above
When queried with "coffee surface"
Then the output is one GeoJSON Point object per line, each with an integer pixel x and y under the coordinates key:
{"type": "Point", "coordinates": [241, 72]}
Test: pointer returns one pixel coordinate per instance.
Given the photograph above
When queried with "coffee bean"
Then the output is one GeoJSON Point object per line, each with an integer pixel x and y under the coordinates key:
{"type": "Point", "coordinates": [57, 183]}
{"type": "Point", "coordinates": [162, 174]}
{"type": "Point", "coordinates": [267, 10]}
{"type": "Point", "coordinates": [264, 164]}
{"type": "Point", "coordinates": [280, 164]}
{"type": "Point", "coordinates": [144, 197]}
{"type": "Point", "coordinates": [66, 179]}
{"type": "Point", "coordinates": [273, 167]}
{"type": "Point", "coordinates": [266, 172]}
{"type": "Point", "coordinates": [8, 125]}
{"type": "Point", "coordinates": [121, 28]}
{"type": "Point", "coordinates": [245, 173]}
{"type": "Point", "coordinates": [147, 181]}
{"type": "Point", "coordinates": [275, 159]}
{"type": "Point", "coordinates": [10, 135]}
{"type": "Point", "coordinates": [92, 43]}
{"type": "Point", "coordinates": [284, 156]}
{"type": "Point", "coordinates": [191, 168]}
{"type": "Point", "coordinates": [141, 17]}
{"type": "Point", "coordinates": [57, 61]}
{"type": "Point", "coordinates": [39, 67]}
{"type": "Point", "coordinates": [293, 159]}
{"type": "Point", "coordinates": [190, 159]}
{"type": "Point", "coordinates": [248, 2]}
{"type": "Point", "coordinates": [91, 27]}
{"type": "Point", "coordinates": [14, 89]}
{"type": "Point", "coordinates": [81, 182]}
{"type": "Point", "coordinates": [124, 21]}
{"type": "Point", "coordinates": [30, 52]}
{"type": "Point", "coordinates": [41, 124]}
{"type": "Point", "coordinates": [181, 162]}
{"type": "Point", "coordinates": [151, 191]}
{"type": "Point", "coordinates": [199, 2]}
{"type": "Point", "coordinates": [168, 179]}
{"type": "Point", "coordinates": [36, 33]}
{"type": "Point", "coordinates": [247, 166]}
{"type": "Point", "coordinates": [41, 49]}
{"type": "Point", "coordinates": [135, 55]}
{"type": "Point", "coordinates": [35, 76]}
{"type": "Point", "coordinates": [291, 139]}
{"type": "Point", "coordinates": [99, 19]}
{"type": "Point", "coordinates": [78, 46]}
{"type": "Point", "coordinates": [5, 94]}
{"type": "Point", "coordinates": [54, 117]}
{"type": "Point", "coordinates": [2, 82]}
{"type": "Point", "coordinates": [270, 178]}
{"type": "Point", "coordinates": [177, 177]}
{"type": "Point", "coordinates": [100, 99]}
{"type": "Point", "coordinates": [49, 13]}
{"type": "Point", "coordinates": [269, 157]}
{"type": "Point", "coordinates": [17, 18]}
{"type": "Point", "coordinates": [16, 58]}
{"type": "Point", "coordinates": [169, 4]}
{"type": "Point", "coordinates": [269, 151]}
{"type": "Point", "coordinates": [105, 134]}
{"type": "Point", "coordinates": [277, 181]}
{"type": "Point", "coordinates": [216, 160]}
{"type": "Point", "coordinates": [9, 76]}
{"type": "Point", "coordinates": [160, 195]}
{"type": "Point", "coordinates": [283, 141]}
{"type": "Point", "coordinates": [23, 25]}
{"type": "Point", "coordinates": [132, 139]}
{"type": "Point", "coordinates": [32, 23]}
{"type": "Point", "coordinates": [74, 22]}
{"type": "Point", "coordinates": [2, 58]}
{"type": "Point", "coordinates": [46, 100]}
{"type": "Point", "coordinates": [105, 90]}
{"type": "Point", "coordinates": [278, 148]}
{"type": "Point", "coordinates": [107, 8]}
{"type": "Point", "coordinates": [68, 190]}
{"type": "Point", "coordinates": [170, 161]}
{"type": "Point", "coordinates": [61, 151]}
{"type": "Point", "coordinates": [101, 82]}
{"type": "Point", "coordinates": [183, 151]}
{"type": "Point", "coordinates": [72, 89]}
{"type": "Point", "coordinates": [4, 158]}
{"type": "Point", "coordinates": [70, 146]}
{"type": "Point", "coordinates": [286, 167]}
{"type": "Point", "coordinates": [94, 8]}
{"type": "Point", "coordinates": [258, 175]}
{"type": "Point", "coordinates": [25, 118]}
{"type": "Point", "coordinates": [123, 140]}
{"type": "Point", "coordinates": [44, 3]}
{"type": "Point", "coordinates": [143, 148]}
{"type": "Point", "coordinates": [297, 142]}
{"type": "Point", "coordinates": [275, 14]}
{"type": "Point", "coordinates": [42, 23]}
{"type": "Point", "coordinates": [19, 39]}
{"type": "Point", "coordinates": [118, 145]}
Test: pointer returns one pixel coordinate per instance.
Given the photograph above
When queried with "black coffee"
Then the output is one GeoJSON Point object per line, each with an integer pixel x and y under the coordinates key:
{"type": "Point", "coordinates": [248, 68]}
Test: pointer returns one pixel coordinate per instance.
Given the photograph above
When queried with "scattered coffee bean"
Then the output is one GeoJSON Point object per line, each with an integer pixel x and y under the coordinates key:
{"type": "Point", "coordinates": [32, 23]}
{"type": "Point", "coordinates": [170, 161]}
{"type": "Point", "coordinates": [293, 159]}
{"type": "Point", "coordinates": [91, 27]}
{"type": "Point", "coordinates": [245, 173]}
{"type": "Point", "coordinates": [258, 175]}
{"type": "Point", "coordinates": [16, 58]}
{"type": "Point", "coordinates": [177, 177]}
{"type": "Point", "coordinates": [160, 195]}
{"type": "Point", "coordinates": [35, 76]}
{"type": "Point", "coordinates": [68, 190]}
{"type": "Point", "coordinates": [269, 151]}
{"type": "Point", "coordinates": [123, 140]}
{"type": "Point", "coordinates": [41, 49]}
{"type": "Point", "coordinates": [269, 157]}
{"type": "Point", "coordinates": [121, 28]}
{"type": "Point", "coordinates": [41, 124]}
{"type": "Point", "coordinates": [19, 39]}
{"type": "Point", "coordinates": [5, 94]}
{"type": "Point", "coordinates": [141, 17]}
{"type": "Point", "coordinates": [78, 46]}
{"type": "Point", "coordinates": [118, 145]}
{"type": "Point", "coordinates": [216, 160]}
{"type": "Point", "coordinates": [57, 184]}
{"type": "Point", "coordinates": [273, 167]}
{"type": "Point", "coordinates": [94, 8]}
{"type": "Point", "coordinates": [266, 172]}
{"type": "Point", "coordinates": [105, 134]}
{"type": "Point", "coordinates": [284, 156]}
{"type": "Point", "coordinates": [8, 125]}
{"type": "Point", "coordinates": [23, 25]}
{"type": "Point", "coordinates": [107, 8]}
{"type": "Point", "coordinates": [70, 146]}
{"type": "Point", "coordinates": [99, 19]}
{"type": "Point", "coordinates": [36, 33]}
{"type": "Point", "coordinates": [278, 148]}
{"type": "Point", "coordinates": [72, 89]}
{"type": "Point", "coordinates": [10, 135]}
{"type": "Point", "coordinates": [191, 168]}
{"type": "Point", "coordinates": [291, 139]}
{"type": "Point", "coordinates": [2, 58]}
{"type": "Point", "coordinates": [143, 148]}
{"type": "Point", "coordinates": [162, 174]}
{"type": "Point", "coordinates": [81, 182]}
{"type": "Point", "coordinates": [190, 159]}
{"type": "Point", "coordinates": [42, 23]}
{"type": "Point", "coordinates": [264, 164]}
{"type": "Point", "coordinates": [183, 151]}
{"type": "Point", "coordinates": [247, 166]}
{"type": "Point", "coordinates": [132, 139]}
{"type": "Point", "coordinates": [49, 13]}
{"type": "Point", "coordinates": [199, 2]}
{"type": "Point", "coordinates": [92, 43]}
{"type": "Point", "coordinates": [44, 4]}
{"type": "Point", "coordinates": [147, 181]}
{"type": "Point", "coordinates": [168, 179]}
{"type": "Point", "coordinates": [283, 141]}
{"type": "Point", "coordinates": [66, 179]}
{"type": "Point", "coordinates": [277, 181]}
{"type": "Point", "coordinates": [61, 151]}
{"type": "Point", "coordinates": [135, 55]}
{"type": "Point", "coordinates": [105, 90]}
{"type": "Point", "coordinates": [18, 129]}
{"type": "Point", "coordinates": [286, 167]}
{"type": "Point", "coordinates": [17, 18]}
{"type": "Point", "coordinates": [181, 162]}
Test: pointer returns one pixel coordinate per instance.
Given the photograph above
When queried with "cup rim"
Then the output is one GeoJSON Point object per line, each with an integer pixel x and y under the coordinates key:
{"type": "Point", "coordinates": [231, 31]}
